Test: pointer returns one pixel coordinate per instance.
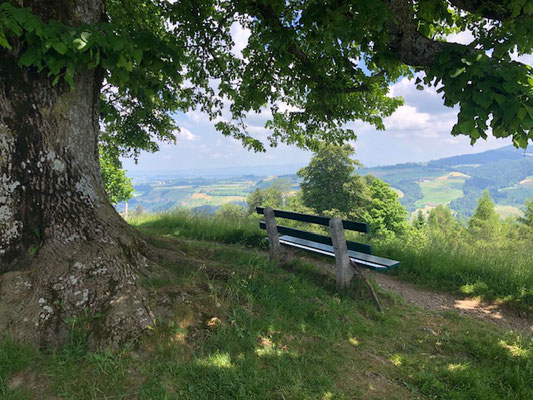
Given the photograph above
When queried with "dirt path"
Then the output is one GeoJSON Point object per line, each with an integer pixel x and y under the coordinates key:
{"type": "Point", "coordinates": [439, 301]}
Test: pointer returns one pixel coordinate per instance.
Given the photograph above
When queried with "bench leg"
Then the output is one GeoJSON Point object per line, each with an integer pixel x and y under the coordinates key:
{"type": "Point", "coordinates": [362, 276]}
{"type": "Point", "coordinates": [274, 247]}
{"type": "Point", "coordinates": [344, 269]}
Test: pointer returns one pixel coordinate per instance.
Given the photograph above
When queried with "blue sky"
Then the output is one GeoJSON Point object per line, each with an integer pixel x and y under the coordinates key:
{"type": "Point", "coordinates": [417, 131]}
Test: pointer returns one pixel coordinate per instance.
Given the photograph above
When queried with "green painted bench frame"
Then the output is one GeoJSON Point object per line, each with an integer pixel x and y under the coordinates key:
{"type": "Point", "coordinates": [359, 253]}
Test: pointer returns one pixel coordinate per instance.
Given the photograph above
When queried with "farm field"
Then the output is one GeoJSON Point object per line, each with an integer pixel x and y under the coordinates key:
{"type": "Point", "coordinates": [442, 189]}
{"type": "Point", "coordinates": [158, 195]}
{"type": "Point", "coordinates": [527, 182]}
{"type": "Point", "coordinates": [508, 211]}
{"type": "Point", "coordinates": [456, 181]}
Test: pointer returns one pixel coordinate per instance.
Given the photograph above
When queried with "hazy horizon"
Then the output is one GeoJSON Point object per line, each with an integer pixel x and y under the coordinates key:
{"type": "Point", "coordinates": [255, 170]}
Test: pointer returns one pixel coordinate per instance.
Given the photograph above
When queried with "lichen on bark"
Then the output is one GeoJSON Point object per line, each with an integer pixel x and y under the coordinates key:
{"type": "Point", "coordinates": [10, 227]}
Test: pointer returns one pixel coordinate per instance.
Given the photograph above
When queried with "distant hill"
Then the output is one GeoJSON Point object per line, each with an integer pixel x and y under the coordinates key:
{"type": "Point", "coordinates": [499, 155]}
{"type": "Point", "coordinates": [507, 173]}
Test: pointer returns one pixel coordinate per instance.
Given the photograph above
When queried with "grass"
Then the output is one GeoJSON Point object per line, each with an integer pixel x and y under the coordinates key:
{"type": "Point", "coordinates": [183, 223]}
{"type": "Point", "coordinates": [243, 328]}
{"type": "Point", "coordinates": [489, 272]}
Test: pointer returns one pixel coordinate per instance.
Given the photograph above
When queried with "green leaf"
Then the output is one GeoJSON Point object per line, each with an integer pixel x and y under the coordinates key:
{"type": "Point", "coordinates": [123, 62]}
{"type": "Point", "coordinates": [520, 140]}
{"type": "Point", "coordinates": [30, 57]}
{"type": "Point", "coordinates": [521, 114]}
{"type": "Point", "coordinates": [85, 36]}
{"type": "Point", "coordinates": [529, 110]}
{"type": "Point", "coordinates": [3, 42]}
{"type": "Point", "coordinates": [79, 43]}
{"type": "Point", "coordinates": [69, 76]}
{"type": "Point", "coordinates": [60, 47]}
{"type": "Point", "coordinates": [457, 72]}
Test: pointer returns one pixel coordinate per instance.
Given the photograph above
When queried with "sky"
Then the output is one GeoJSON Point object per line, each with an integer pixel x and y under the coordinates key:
{"type": "Point", "coordinates": [418, 131]}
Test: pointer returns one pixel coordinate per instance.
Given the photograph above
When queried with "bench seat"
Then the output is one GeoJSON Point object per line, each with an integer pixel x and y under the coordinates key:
{"type": "Point", "coordinates": [362, 259]}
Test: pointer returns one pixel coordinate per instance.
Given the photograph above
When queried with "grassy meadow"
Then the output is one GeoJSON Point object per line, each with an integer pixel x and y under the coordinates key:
{"type": "Point", "coordinates": [491, 273]}
{"type": "Point", "coordinates": [442, 189]}
{"type": "Point", "coordinates": [503, 273]}
{"type": "Point", "coordinates": [239, 327]}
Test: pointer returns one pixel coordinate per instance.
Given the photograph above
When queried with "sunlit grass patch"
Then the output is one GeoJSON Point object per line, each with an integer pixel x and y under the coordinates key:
{"type": "Point", "coordinates": [186, 224]}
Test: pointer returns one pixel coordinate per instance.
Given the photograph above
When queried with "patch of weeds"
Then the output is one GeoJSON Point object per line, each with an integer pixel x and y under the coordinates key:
{"type": "Point", "coordinates": [14, 357]}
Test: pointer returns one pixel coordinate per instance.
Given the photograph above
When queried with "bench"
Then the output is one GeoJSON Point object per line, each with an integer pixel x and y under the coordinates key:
{"type": "Point", "coordinates": [348, 255]}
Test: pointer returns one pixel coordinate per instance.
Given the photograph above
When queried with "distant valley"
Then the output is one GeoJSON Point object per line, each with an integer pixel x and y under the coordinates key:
{"type": "Point", "coordinates": [507, 173]}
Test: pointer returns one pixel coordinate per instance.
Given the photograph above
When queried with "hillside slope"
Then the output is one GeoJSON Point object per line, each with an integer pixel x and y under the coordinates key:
{"type": "Point", "coordinates": [239, 327]}
{"type": "Point", "coordinates": [460, 180]}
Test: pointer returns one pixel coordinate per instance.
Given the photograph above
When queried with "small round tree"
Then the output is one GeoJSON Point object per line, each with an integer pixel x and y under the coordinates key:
{"type": "Point", "coordinates": [329, 181]}
{"type": "Point", "coordinates": [485, 222]}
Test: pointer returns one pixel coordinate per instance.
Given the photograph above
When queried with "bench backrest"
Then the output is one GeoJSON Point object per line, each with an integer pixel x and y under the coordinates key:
{"type": "Point", "coordinates": [315, 219]}
{"type": "Point", "coordinates": [314, 237]}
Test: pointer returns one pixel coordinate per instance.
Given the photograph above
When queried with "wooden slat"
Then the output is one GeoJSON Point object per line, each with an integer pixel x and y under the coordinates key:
{"type": "Point", "coordinates": [362, 259]}
{"type": "Point", "coordinates": [315, 219]}
{"type": "Point", "coordinates": [314, 237]}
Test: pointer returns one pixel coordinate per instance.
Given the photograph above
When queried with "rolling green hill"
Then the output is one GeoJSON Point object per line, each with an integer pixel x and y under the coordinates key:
{"type": "Point", "coordinates": [460, 180]}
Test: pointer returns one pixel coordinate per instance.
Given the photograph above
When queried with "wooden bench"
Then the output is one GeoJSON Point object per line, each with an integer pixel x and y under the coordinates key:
{"type": "Point", "coordinates": [348, 255]}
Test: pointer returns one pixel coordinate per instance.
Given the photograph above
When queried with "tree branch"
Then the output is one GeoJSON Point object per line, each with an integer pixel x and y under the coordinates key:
{"type": "Point", "coordinates": [268, 13]}
{"type": "Point", "coordinates": [409, 45]}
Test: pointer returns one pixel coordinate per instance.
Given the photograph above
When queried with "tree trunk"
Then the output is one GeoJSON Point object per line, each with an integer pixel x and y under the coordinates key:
{"type": "Point", "coordinates": [65, 253]}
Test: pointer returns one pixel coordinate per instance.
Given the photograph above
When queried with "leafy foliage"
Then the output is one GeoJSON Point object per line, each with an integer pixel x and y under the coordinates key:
{"type": "Point", "coordinates": [527, 219]}
{"type": "Point", "coordinates": [316, 65]}
{"type": "Point", "coordinates": [329, 181]}
{"type": "Point", "coordinates": [269, 197]}
{"type": "Point", "coordinates": [485, 219]}
{"type": "Point", "coordinates": [118, 186]}
{"type": "Point", "coordinates": [231, 212]}
{"type": "Point", "coordinates": [384, 213]}
{"type": "Point", "coordinates": [420, 220]}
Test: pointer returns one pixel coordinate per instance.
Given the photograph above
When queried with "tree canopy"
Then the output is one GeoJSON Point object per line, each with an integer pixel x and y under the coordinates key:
{"type": "Point", "coordinates": [118, 186]}
{"type": "Point", "coordinates": [527, 219]}
{"type": "Point", "coordinates": [311, 66]}
{"type": "Point", "coordinates": [329, 181]}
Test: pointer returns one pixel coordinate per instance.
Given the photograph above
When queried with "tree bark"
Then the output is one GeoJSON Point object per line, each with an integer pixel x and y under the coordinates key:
{"type": "Point", "coordinates": [410, 46]}
{"type": "Point", "coordinates": [65, 253]}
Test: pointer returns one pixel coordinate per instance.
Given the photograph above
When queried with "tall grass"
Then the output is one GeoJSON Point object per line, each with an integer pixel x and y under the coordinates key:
{"type": "Point", "coordinates": [488, 271]}
{"type": "Point", "coordinates": [187, 224]}
{"type": "Point", "coordinates": [491, 271]}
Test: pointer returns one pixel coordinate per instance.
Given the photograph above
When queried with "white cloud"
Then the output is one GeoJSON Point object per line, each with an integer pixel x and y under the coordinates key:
{"type": "Point", "coordinates": [407, 117]}
{"type": "Point", "coordinates": [240, 37]}
{"type": "Point", "coordinates": [186, 134]}
{"type": "Point", "coordinates": [465, 37]}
